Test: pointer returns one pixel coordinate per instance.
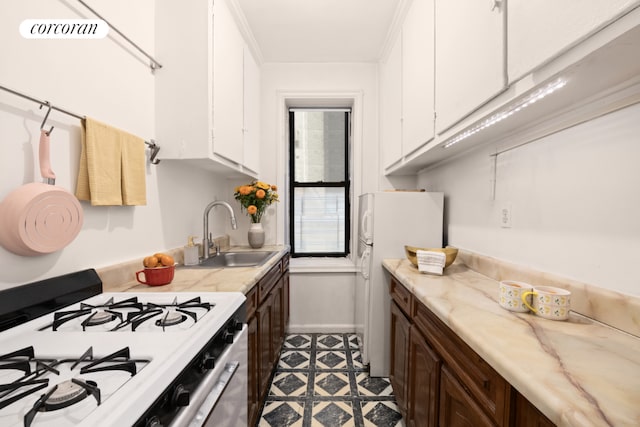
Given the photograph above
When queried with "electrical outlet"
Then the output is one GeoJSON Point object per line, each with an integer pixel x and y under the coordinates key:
{"type": "Point", "coordinates": [505, 215]}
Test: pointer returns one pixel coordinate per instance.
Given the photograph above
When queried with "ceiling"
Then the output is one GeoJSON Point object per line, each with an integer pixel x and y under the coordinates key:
{"type": "Point", "coordinates": [319, 30]}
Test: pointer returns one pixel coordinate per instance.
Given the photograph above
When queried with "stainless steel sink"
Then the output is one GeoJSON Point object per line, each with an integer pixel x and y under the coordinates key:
{"type": "Point", "coordinates": [236, 259]}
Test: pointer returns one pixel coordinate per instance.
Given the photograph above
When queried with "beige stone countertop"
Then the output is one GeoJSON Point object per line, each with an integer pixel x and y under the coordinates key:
{"type": "Point", "coordinates": [578, 372]}
{"type": "Point", "coordinates": [121, 278]}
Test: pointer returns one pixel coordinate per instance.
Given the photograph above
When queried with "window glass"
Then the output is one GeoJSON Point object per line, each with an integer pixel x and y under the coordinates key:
{"type": "Point", "coordinates": [319, 219]}
{"type": "Point", "coordinates": [319, 146]}
{"type": "Point", "coordinates": [319, 182]}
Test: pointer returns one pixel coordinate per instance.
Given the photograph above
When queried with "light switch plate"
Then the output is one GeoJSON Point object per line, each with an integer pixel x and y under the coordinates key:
{"type": "Point", "coordinates": [505, 215]}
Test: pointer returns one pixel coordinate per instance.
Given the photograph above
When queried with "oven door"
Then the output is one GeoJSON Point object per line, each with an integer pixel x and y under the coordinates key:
{"type": "Point", "coordinates": [221, 398]}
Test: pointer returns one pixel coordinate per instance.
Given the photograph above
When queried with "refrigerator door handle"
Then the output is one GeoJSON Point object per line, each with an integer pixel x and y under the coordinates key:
{"type": "Point", "coordinates": [365, 232]}
{"type": "Point", "coordinates": [366, 263]}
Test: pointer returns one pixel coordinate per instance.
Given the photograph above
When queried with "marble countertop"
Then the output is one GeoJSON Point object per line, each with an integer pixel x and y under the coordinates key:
{"type": "Point", "coordinates": [121, 278]}
{"type": "Point", "coordinates": [578, 372]}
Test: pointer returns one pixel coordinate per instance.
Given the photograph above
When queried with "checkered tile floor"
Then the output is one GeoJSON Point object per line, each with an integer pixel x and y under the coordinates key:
{"type": "Point", "coordinates": [321, 382]}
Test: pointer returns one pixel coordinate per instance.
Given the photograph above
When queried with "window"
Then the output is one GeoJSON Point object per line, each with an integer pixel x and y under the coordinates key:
{"type": "Point", "coordinates": [319, 182]}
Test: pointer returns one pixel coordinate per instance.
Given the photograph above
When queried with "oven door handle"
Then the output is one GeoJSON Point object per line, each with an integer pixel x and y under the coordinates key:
{"type": "Point", "coordinates": [226, 376]}
{"type": "Point", "coordinates": [193, 416]}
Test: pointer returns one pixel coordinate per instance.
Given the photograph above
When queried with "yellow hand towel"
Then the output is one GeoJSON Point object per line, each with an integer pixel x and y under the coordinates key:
{"type": "Point", "coordinates": [134, 187]}
{"type": "Point", "coordinates": [112, 166]}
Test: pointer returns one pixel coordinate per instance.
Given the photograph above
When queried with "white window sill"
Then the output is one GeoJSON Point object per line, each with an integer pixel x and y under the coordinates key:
{"type": "Point", "coordinates": [322, 265]}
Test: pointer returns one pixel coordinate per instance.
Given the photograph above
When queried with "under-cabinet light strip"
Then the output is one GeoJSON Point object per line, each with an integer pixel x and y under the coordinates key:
{"type": "Point", "coordinates": [509, 111]}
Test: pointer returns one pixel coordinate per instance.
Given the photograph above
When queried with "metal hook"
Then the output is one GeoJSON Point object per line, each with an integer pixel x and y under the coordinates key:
{"type": "Point", "coordinates": [46, 116]}
{"type": "Point", "coordinates": [154, 152]}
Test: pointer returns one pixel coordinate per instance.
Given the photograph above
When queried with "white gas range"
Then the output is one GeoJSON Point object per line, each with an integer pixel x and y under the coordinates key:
{"type": "Point", "coordinates": [116, 359]}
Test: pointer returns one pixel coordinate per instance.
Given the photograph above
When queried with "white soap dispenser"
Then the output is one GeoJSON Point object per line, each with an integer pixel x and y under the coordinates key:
{"type": "Point", "coordinates": [191, 253]}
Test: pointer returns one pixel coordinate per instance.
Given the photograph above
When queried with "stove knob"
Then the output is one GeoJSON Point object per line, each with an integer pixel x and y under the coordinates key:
{"type": "Point", "coordinates": [180, 396]}
{"type": "Point", "coordinates": [231, 326]}
{"type": "Point", "coordinates": [153, 422]}
{"type": "Point", "coordinates": [208, 362]}
{"type": "Point", "coordinates": [228, 337]}
{"type": "Point", "coordinates": [239, 325]}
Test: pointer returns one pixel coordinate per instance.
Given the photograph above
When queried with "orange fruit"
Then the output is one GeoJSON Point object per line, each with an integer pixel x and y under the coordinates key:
{"type": "Point", "coordinates": [159, 255]}
{"type": "Point", "coordinates": [167, 260]}
{"type": "Point", "coordinates": [150, 261]}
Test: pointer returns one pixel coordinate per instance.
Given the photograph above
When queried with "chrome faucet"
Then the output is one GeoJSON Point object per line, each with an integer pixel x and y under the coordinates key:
{"type": "Point", "coordinates": [206, 240]}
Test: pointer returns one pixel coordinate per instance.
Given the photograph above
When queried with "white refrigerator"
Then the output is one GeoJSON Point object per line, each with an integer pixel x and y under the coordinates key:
{"type": "Point", "coordinates": [387, 221]}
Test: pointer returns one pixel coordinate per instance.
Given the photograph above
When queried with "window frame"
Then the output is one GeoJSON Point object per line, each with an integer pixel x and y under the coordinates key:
{"type": "Point", "coordinates": [293, 184]}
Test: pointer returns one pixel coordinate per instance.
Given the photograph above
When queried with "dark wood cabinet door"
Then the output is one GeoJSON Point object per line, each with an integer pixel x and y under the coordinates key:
{"type": "Point", "coordinates": [528, 415]}
{"type": "Point", "coordinates": [285, 299]}
{"type": "Point", "coordinates": [398, 371]}
{"type": "Point", "coordinates": [253, 386]}
{"type": "Point", "coordinates": [457, 407]}
{"type": "Point", "coordinates": [264, 345]}
{"type": "Point", "coordinates": [277, 321]}
{"type": "Point", "coordinates": [424, 382]}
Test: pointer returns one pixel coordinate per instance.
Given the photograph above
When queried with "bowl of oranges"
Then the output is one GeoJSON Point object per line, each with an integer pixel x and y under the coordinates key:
{"type": "Point", "coordinates": [159, 269]}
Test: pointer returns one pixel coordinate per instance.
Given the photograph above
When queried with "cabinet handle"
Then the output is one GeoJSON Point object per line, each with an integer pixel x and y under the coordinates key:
{"type": "Point", "coordinates": [495, 4]}
{"type": "Point", "coordinates": [486, 384]}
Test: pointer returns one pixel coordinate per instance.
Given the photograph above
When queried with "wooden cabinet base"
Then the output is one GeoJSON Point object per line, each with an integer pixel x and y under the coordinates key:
{"type": "Point", "coordinates": [457, 408]}
{"type": "Point", "coordinates": [438, 380]}
{"type": "Point", "coordinates": [267, 326]}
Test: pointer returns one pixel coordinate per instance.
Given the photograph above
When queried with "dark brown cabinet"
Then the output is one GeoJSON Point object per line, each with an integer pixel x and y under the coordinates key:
{"type": "Point", "coordinates": [423, 384]}
{"type": "Point", "coordinates": [527, 415]}
{"type": "Point", "coordinates": [253, 388]}
{"type": "Point", "coordinates": [398, 371]}
{"type": "Point", "coordinates": [267, 319]}
{"type": "Point", "coordinates": [440, 381]}
{"type": "Point", "coordinates": [457, 407]}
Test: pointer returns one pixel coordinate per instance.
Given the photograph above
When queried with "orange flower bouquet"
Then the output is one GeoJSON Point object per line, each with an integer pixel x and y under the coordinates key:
{"type": "Point", "coordinates": [255, 198]}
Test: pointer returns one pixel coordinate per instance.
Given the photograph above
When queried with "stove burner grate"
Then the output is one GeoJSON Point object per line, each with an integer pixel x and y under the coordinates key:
{"type": "Point", "coordinates": [97, 314]}
{"type": "Point", "coordinates": [174, 314]}
{"type": "Point", "coordinates": [100, 317]}
{"type": "Point", "coordinates": [170, 319]}
{"type": "Point", "coordinates": [65, 393]}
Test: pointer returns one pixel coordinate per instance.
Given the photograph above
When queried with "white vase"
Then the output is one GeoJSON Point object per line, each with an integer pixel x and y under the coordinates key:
{"type": "Point", "coordinates": [256, 235]}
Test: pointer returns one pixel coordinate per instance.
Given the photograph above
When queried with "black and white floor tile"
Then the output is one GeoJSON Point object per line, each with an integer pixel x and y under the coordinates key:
{"type": "Point", "coordinates": [321, 382]}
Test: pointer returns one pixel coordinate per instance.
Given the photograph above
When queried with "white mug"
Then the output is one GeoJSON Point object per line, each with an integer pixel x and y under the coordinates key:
{"type": "Point", "coordinates": [510, 295]}
{"type": "Point", "coordinates": [549, 302]}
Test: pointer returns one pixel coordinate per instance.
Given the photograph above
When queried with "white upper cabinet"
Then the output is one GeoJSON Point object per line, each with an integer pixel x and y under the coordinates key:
{"type": "Point", "coordinates": [228, 60]}
{"type": "Point", "coordinates": [417, 76]}
{"type": "Point", "coordinates": [406, 86]}
{"type": "Point", "coordinates": [391, 105]}
{"type": "Point", "coordinates": [489, 57]}
{"type": "Point", "coordinates": [200, 90]}
{"type": "Point", "coordinates": [470, 57]}
{"type": "Point", "coordinates": [251, 115]}
{"type": "Point", "coordinates": [183, 86]}
{"type": "Point", "coordinates": [540, 30]}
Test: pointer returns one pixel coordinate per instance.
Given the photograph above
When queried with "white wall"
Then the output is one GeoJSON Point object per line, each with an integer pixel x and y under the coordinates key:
{"type": "Point", "coordinates": [575, 199]}
{"type": "Point", "coordinates": [324, 300]}
{"type": "Point", "coordinates": [108, 80]}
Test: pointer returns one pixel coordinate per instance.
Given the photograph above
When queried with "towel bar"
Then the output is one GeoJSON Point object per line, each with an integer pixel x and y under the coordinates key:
{"type": "Point", "coordinates": [155, 148]}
